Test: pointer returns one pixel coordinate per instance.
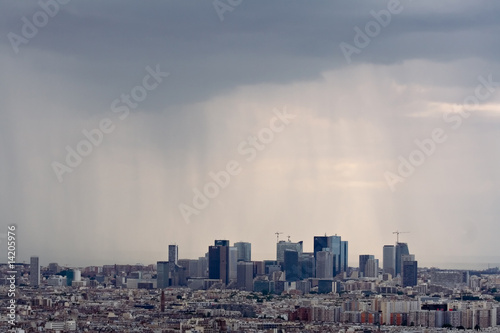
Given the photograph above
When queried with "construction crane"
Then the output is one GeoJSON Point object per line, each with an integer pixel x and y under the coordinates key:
{"type": "Point", "coordinates": [277, 233]}
{"type": "Point", "coordinates": [397, 232]}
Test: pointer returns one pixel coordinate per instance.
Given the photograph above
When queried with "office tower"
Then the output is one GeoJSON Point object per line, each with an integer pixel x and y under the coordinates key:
{"type": "Point", "coordinates": [362, 263]}
{"type": "Point", "coordinates": [245, 276]}
{"type": "Point", "coordinates": [371, 268]}
{"type": "Point", "coordinates": [324, 264]}
{"type": "Point", "coordinates": [282, 246]}
{"type": "Point", "coordinates": [70, 277]}
{"type": "Point", "coordinates": [221, 243]}
{"type": "Point", "coordinates": [53, 268]}
{"type": "Point", "coordinates": [344, 265]}
{"type": "Point", "coordinates": [389, 257]}
{"type": "Point", "coordinates": [173, 256]}
{"type": "Point", "coordinates": [163, 276]}
{"type": "Point", "coordinates": [218, 257]}
{"type": "Point", "coordinates": [307, 265]}
{"type": "Point", "coordinates": [410, 270]}
{"type": "Point", "coordinates": [292, 269]}
{"type": "Point", "coordinates": [244, 251]}
{"type": "Point", "coordinates": [232, 263]}
{"type": "Point", "coordinates": [202, 267]}
{"type": "Point", "coordinates": [34, 271]}
{"type": "Point", "coordinates": [401, 250]}
{"type": "Point", "coordinates": [332, 244]}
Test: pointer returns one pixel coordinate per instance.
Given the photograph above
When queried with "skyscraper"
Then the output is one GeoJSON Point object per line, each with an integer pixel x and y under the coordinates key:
{"type": "Point", "coordinates": [219, 242]}
{"type": "Point", "coordinates": [232, 263]}
{"type": "Point", "coordinates": [389, 257]}
{"type": "Point", "coordinates": [307, 265]}
{"type": "Point", "coordinates": [173, 256]}
{"type": "Point", "coordinates": [244, 251]}
{"type": "Point", "coordinates": [324, 264]}
{"type": "Point", "coordinates": [334, 245]}
{"type": "Point", "coordinates": [410, 270]}
{"type": "Point", "coordinates": [282, 246]}
{"type": "Point", "coordinates": [162, 270]}
{"type": "Point", "coordinates": [292, 268]}
{"type": "Point", "coordinates": [371, 268]}
{"type": "Point", "coordinates": [344, 262]}
{"type": "Point", "coordinates": [401, 250]}
{"type": "Point", "coordinates": [245, 276]}
{"type": "Point", "coordinates": [218, 257]}
{"type": "Point", "coordinates": [34, 271]}
{"type": "Point", "coordinates": [363, 258]}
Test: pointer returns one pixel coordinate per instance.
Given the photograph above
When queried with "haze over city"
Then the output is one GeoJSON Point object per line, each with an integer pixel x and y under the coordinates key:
{"type": "Point", "coordinates": [316, 128]}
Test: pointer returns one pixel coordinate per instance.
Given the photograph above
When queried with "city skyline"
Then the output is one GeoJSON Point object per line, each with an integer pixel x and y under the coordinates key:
{"type": "Point", "coordinates": [127, 127]}
{"type": "Point", "coordinates": [173, 251]}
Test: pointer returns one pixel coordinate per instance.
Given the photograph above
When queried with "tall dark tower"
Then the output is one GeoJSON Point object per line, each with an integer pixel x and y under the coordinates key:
{"type": "Point", "coordinates": [162, 300]}
{"type": "Point", "coordinates": [401, 250]}
{"type": "Point", "coordinates": [292, 268]}
{"type": "Point", "coordinates": [331, 244]}
{"type": "Point", "coordinates": [218, 260]}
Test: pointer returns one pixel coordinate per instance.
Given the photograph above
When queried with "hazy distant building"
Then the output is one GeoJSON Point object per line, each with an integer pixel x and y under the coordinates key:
{"type": "Point", "coordinates": [282, 246]}
{"type": "Point", "coordinates": [232, 263]}
{"type": "Point", "coordinates": [34, 271]}
{"type": "Point", "coordinates": [223, 242]}
{"type": "Point", "coordinates": [53, 268]}
{"type": "Point", "coordinates": [291, 265]}
{"type": "Point", "coordinates": [173, 256]}
{"type": "Point", "coordinates": [389, 257]}
{"type": "Point", "coordinates": [332, 244]}
{"type": "Point", "coordinates": [410, 273]}
{"type": "Point", "coordinates": [371, 268]}
{"type": "Point", "coordinates": [244, 251]}
{"type": "Point", "coordinates": [307, 265]}
{"type": "Point", "coordinates": [344, 256]}
{"type": "Point", "coordinates": [218, 257]}
{"type": "Point", "coordinates": [324, 264]}
{"type": "Point", "coordinates": [245, 276]}
{"type": "Point", "coordinates": [163, 276]}
{"type": "Point", "coordinates": [363, 259]}
{"type": "Point", "coordinates": [401, 250]}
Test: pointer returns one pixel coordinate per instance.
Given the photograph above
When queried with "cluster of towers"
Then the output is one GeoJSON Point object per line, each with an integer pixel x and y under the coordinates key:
{"type": "Point", "coordinates": [233, 264]}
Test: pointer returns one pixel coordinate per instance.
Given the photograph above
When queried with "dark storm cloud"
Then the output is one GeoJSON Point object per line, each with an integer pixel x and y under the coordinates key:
{"type": "Point", "coordinates": [99, 44]}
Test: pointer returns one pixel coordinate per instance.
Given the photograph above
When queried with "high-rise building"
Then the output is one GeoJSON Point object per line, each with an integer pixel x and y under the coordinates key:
{"type": "Point", "coordinates": [219, 242]}
{"type": "Point", "coordinates": [282, 246]}
{"type": "Point", "coordinates": [363, 258]}
{"type": "Point", "coordinates": [410, 273]}
{"type": "Point", "coordinates": [332, 244]}
{"type": "Point", "coordinates": [389, 257]}
{"type": "Point", "coordinates": [163, 274]}
{"type": "Point", "coordinates": [173, 256]}
{"type": "Point", "coordinates": [292, 268]}
{"type": "Point", "coordinates": [244, 251]}
{"type": "Point", "coordinates": [218, 257]}
{"type": "Point", "coordinates": [324, 264]}
{"type": "Point", "coordinates": [232, 263]}
{"type": "Point", "coordinates": [401, 250]}
{"type": "Point", "coordinates": [371, 268]}
{"type": "Point", "coordinates": [245, 276]}
{"type": "Point", "coordinates": [307, 265]}
{"type": "Point", "coordinates": [34, 271]}
{"type": "Point", "coordinates": [344, 262]}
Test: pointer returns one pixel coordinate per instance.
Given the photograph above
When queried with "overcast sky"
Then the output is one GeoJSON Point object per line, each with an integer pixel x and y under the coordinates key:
{"type": "Point", "coordinates": [351, 106]}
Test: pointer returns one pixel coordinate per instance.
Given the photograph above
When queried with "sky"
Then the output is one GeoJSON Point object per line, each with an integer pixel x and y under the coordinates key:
{"type": "Point", "coordinates": [126, 127]}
